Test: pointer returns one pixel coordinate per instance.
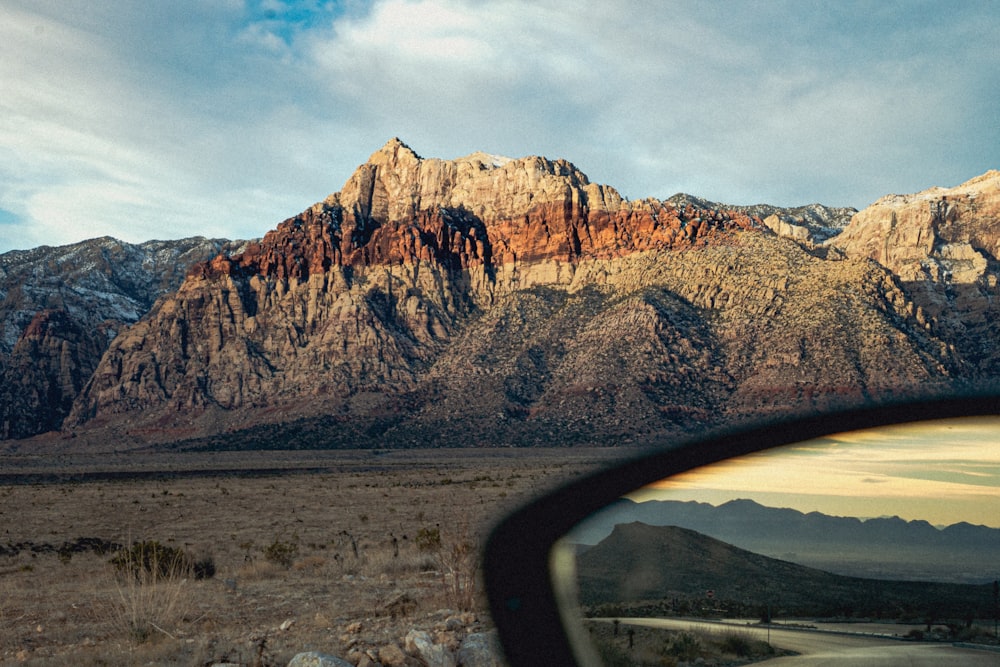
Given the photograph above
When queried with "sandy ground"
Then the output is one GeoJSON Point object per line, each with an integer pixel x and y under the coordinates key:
{"type": "Point", "coordinates": [339, 552]}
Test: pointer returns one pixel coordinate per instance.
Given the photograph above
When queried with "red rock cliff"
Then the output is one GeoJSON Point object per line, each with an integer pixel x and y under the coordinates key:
{"type": "Point", "coordinates": [478, 210]}
{"type": "Point", "coordinates": [431, 295]}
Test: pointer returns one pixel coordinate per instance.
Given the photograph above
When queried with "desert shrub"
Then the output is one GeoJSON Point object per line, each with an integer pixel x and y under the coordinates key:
{"type": "Point", "coordinates": [459, 559]}
{"type": "Point", "coordinates": [65, 555]}
{"type": "Point", "coordinates": [740, 644]}
{"type": "Point", "coordinates": [281, 552]}
{"type": "Point", "coordinates": [428, 539]}
{"type": "Point", "coordinates": [204, 567]}
{"type": "Point", "coordinates": [685, 646]}
{"type": "Point", "coordinates": [149, 589]}
{"type": "Point", "coordinates": [149, 557]}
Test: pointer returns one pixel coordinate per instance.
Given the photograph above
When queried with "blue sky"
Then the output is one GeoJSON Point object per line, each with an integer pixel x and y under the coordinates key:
{"type": "Point", "coordinates": [220, 118]}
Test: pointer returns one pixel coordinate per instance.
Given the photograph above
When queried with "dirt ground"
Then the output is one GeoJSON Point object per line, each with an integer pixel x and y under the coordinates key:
{"type": "Point", "coordinates": [339, 552]}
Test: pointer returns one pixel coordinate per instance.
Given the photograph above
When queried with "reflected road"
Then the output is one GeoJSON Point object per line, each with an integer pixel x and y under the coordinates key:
{"type": "Point", "coordinates": [820, 649]}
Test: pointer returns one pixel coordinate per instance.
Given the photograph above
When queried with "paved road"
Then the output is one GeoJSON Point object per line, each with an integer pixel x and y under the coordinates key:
{"type": "Point", "coordinates": [821, 649]}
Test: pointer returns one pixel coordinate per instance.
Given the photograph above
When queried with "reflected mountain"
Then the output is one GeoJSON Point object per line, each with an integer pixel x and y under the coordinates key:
{"type": "Point", "coordinates": [643, 570]}
{"type": "Point", "coordinates": [909, 550]}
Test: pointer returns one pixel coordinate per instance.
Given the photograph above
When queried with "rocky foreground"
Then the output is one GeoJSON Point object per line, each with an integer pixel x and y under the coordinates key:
{"type": "Point", "coordinates": [419, 647]}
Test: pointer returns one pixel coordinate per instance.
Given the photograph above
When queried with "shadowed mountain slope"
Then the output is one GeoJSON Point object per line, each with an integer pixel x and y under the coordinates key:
{"type": "Point", "coordinates": [637, 562]}
{"type": "Point", "coordinates": [61, 307]}
{"type": "Point", "coordinates": [844, 545]}
{"type": "Point", "coordinates": [490, 301]}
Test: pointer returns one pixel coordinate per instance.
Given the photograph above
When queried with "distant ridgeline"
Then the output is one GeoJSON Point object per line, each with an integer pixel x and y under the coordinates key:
{"type": "Point", "coordinates": [882, 548]}
{"type": "Point", "coordinates": [495, 302]}
{"type": "Point", "coordinates": [643, 570]}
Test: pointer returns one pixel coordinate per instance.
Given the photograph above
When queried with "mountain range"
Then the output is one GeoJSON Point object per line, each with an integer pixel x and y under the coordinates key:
{"type": "Point", "coordinates": [61, 307]}
{"type": "Point", "coordinates": [487, 301]}
{"type": "Point", "coordinates": [642, 570]}
{"type": "Point", "coordinates": [878, 547]}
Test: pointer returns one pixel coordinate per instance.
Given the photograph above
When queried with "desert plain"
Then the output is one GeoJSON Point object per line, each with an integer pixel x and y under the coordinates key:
{"type": "Point", "coordinates": [342, 552]}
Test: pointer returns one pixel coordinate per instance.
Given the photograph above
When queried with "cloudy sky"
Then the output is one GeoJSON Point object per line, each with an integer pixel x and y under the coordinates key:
{"type": "Point", "coordinates": [149, 120]}
{"type": "Point", "coordinates": [943, 472]}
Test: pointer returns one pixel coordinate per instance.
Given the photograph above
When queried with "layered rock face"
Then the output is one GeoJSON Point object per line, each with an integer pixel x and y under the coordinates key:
{"type": "Point", "coordinates": [61, 307]}
{"type": "Point", "coordinates": [472, 212]}
{"type": "Point", "coordinates": [943, 244]}
{"type": "Point", "coordinates": [940, 234]}
{"type": "Point", "coordinates": [45, 371]}
{"type": "Point", "coordinates": [487, 301]}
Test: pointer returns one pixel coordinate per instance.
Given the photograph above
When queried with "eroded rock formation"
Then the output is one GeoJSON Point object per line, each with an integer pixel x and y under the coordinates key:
{"type": "Point", "coordinates": [45, 371]}
{"type": "Point", "coordinates": [61, 307]}
{"type": "Point", "coordinates": [943, 244]}
{"type": "Point", "coordinates": [485, 301]}
{"type": "Point", "coordinates": [496, 301]}
{"type": "Point", "coordinates": [940, 234]}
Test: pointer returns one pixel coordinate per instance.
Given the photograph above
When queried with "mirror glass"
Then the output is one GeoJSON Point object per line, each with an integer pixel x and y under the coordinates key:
{"type": "Point", "coordinates": [868, 545]}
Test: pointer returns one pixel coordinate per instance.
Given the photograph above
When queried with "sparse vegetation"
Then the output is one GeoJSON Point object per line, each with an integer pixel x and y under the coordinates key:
{"type": "Point", "coordinates": [742, 644]}
{"type": "Point", "coordinates": [428, 539]}
{"type": "Point", "coordinates": [149, 558]}
{"type": "Point", "coordinates": [685, 645]}
{"type": "Point", "coordinates": [281, 552]}
{"type": "Point", "coordinates": [345, 569]}
{"type": "Point", "coordinates": [623, 644]}
{"type": "Point", "coordinates": [149, 590]}
{"type": "Point", "coordinates": [204, 567]}
{"type": "Point", "coordinates": [459, 558]}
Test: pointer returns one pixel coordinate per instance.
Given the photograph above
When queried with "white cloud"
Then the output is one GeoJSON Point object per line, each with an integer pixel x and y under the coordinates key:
{"type": "Point", "coordinates": [651, 102]}
{"type": "Point", "coordinates": [97, 141]}
{"type": "Point", "coordinates": [174, 112]}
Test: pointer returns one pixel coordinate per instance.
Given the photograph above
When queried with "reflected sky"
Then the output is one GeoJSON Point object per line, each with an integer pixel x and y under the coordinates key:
{"type": "Point", "coordinates": [944, 472]}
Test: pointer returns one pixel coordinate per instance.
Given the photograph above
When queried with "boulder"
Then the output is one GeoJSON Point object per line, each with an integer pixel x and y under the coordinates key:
{"type": "Point", "coordinates": [420, 644]}
{"type": "Point", "coordinates": [316, 659]}
{"type": "Point", "coordinates": [481, 649]}
{"type": "Point", "coordinates": [391, 655]}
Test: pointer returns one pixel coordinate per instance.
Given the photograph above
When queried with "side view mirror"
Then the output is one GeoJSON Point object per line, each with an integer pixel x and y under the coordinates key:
{"type": "Point", "coordinates": [864, 534]}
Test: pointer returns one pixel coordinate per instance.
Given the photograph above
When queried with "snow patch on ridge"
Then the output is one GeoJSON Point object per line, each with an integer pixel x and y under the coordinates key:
{"type": "Point", "coordinates": [489, 159]}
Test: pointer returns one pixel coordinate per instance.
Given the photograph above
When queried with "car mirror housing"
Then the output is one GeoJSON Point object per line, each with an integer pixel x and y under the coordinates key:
{"type": "Point", "coordinates": [530, 560]}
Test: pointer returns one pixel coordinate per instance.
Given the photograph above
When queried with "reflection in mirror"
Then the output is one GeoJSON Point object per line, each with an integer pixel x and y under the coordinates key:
{"type": "Point", "coordinates": [879, 535]}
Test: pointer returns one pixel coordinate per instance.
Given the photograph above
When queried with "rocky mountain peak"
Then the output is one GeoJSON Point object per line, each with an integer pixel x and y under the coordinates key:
{"type": "Point", "coordinates": [391, 151]}
{"type": "Point", "coordinates": [507, 298]}
{"type": "Point", "coordinates": [396, 183]}
{"type": "Point", "coordinates": [943, 245]}
{"type": "Point", "coordinates": [360, 293]}
{"type": "Point", "coordinates": [475, 211]}
{"type": "Point", "coordinates": [944, 234]}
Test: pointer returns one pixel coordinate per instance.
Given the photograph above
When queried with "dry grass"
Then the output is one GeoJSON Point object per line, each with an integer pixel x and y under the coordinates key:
{"type": "Point", "coordinates": [458, 556]}
{"type": "Point", "coordinates": [355, 558]}
{"type": "Point", "coordinates": [148, 595]}
{"type": "Point", "coordinates": [142, 607]}
{"type": "Point", "coordinates": [639, 645]}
